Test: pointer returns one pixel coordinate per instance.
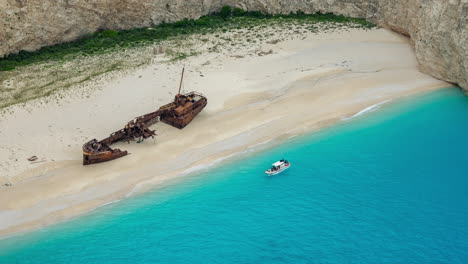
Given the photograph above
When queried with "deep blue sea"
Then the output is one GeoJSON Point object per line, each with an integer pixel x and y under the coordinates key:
{"type": "Point", "coordinates": [387, 187]}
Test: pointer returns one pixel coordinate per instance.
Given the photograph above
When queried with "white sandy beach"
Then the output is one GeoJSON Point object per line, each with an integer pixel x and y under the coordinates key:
{"type": "Point", "coordinates": [305, 84]}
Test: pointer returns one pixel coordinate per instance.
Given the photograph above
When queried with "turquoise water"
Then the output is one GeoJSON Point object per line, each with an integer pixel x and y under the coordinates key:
{"type": "Point", "coordinates": [389, 187]}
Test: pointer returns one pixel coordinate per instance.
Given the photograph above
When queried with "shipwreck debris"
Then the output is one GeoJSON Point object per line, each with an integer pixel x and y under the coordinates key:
{"type": "Point", "coordinates": [179, 114]}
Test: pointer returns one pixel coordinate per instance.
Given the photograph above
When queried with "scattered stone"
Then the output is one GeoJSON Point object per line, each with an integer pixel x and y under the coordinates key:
{"type": "Point", "coordinates": [264, 53]}
{"type": "Point", "coordinates": [274, 42]}
{"type": "Point", "coordinates": [159, 50]}
{"type": "Point", "coordinates": [33, 158]}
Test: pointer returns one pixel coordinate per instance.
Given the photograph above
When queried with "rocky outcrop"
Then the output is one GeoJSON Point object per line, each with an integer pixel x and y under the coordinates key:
{"type": "Point", "coordinates": [438, 28]}
{"type": "Point", "coordinates": [438, 31]}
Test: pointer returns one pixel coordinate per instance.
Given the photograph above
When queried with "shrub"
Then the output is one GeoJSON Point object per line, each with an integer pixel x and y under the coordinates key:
{"type": "Point", "coordinates": [6, 67]}
{"type": "Point", "coordinates": [256, 14]}
{"type": "Point", "coordinates": [300, 13]}
{"type": "Point", "coordinates": [202, 22]}
{"type": "Point", "coordinates": [238, 12]}
{"type": "Point", "coordinates": [109, 33]}
{"type": "Point", "coordinates": [225, 12]}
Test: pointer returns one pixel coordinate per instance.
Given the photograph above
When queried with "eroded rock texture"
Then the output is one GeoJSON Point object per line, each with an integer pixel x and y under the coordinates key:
{"type": "Point", "coordinates": [438, 28]}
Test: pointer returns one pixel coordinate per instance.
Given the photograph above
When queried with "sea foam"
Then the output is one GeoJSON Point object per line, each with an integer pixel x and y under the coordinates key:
{"type": "Point", "coordinates": [367, 110]}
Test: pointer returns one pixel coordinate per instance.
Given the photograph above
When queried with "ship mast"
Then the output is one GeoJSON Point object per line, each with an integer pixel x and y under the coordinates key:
{"type": "Point", "coordinates": [180, 85]}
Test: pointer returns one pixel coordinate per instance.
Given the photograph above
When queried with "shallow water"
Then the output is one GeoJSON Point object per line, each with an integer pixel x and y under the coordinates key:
{"type": "Point", "coordinates": [386, 187]}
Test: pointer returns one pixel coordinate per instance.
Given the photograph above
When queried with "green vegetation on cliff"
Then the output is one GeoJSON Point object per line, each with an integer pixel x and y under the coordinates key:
{"type": "Point", "coordinates": [108, 40]}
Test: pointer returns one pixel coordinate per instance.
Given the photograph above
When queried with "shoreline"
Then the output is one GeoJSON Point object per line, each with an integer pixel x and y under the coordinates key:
{"type": "Point", "coordinates": [176, 176]}
{"type": "Point", "coordinates": [301, 88]}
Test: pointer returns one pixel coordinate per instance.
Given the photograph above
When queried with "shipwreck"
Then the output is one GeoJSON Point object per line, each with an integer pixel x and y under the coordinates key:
{"type": "Point", "coordinates": [178, 113]}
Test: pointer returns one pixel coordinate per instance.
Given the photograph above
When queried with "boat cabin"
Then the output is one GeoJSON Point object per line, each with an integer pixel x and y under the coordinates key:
{"type": "Point", "coordinates": [277, 165]}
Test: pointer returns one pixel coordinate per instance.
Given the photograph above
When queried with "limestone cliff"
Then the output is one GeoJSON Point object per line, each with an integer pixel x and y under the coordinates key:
{"type": "Point", "coordinates": [438, 28]}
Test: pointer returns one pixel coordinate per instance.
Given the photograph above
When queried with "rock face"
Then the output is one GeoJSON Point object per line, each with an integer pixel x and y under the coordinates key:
{"type": "Point", "coordinates": [438, 28]}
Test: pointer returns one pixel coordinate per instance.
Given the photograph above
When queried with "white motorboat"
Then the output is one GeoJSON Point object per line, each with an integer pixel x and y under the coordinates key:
{"type": "Point", "coordinates": [278, 167]}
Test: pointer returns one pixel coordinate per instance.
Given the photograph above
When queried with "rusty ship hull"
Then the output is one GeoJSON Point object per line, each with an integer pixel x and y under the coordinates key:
{"type": "Point", "coordinates": [182, 115]}
{"type": "Point", "coordinates": [178, 114]}
{"type": "Point", "coordinates": [98, 157]}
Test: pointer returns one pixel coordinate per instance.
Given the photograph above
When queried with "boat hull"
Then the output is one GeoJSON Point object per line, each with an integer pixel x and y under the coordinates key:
{"type": "Point", "coordinates": [185, 119]}
{"type": "Point", "coordinates": [271, 173]}
{"type": "Point", "coordinates": [91, 158]}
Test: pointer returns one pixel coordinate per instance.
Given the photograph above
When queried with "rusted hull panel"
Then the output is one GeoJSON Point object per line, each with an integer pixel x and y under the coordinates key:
{"type": "Point", "coordinates": [99, 151]}
{"type": "Point", "coordinates": [89, 159]}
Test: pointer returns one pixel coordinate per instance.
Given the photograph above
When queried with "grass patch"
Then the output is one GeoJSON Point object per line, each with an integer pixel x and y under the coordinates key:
{"type": "Point", "coordinates": [108, 40]}
{"type": "Point", "coordinates": [54, 69]}
{"type": "Point", "coordinates": [12, 97]}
